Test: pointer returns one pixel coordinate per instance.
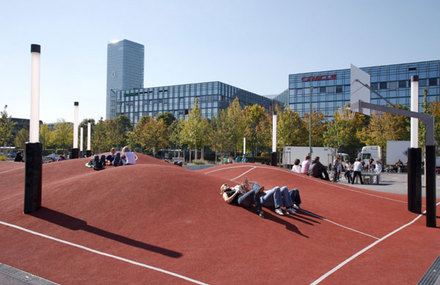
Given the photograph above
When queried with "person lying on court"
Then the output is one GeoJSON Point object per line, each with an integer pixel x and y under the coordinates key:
{"type": "Point", "coordinates": [281, 197]}
{"type": "Point", "coordinates": [243, 195]}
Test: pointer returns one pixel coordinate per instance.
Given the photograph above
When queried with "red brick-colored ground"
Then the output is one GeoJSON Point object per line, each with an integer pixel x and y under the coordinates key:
{"type": "Point", "coordinates": [161, 215]}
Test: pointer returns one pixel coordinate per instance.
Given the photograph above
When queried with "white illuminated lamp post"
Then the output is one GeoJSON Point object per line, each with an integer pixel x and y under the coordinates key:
{"type": "Point", "coordinates": [414, 154]}
{"type": "Point", "coordinates": [274, 140]}
{"type": "Point", "coordinates": [89, 133]}
{"type": "Point", "coordinates": [75, 150]}
{"type": "Point", "coordinates": [81, 138]}
{"type": "Point", "coordinates": [244, 146]}
{"type": "Point", "coordinates": [33, 153]}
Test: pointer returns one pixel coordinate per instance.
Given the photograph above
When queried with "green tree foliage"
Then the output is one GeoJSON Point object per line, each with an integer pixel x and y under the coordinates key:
{"type": "Point", "coordinates": [384, 127]}
{"type": "Point", "coordinates": [6, 126]}
{"type": "Point", "coordinates": [319, 126]}
{"type": "Point", "coordinates": [234, 125]}
{"type": "Point", "coordinates": [63, 135]}
{"type": "Point", "coordinates": [291, 129]}
{"type": "Point", "coordinates": [167, 117]}
{"type": "Point", "coordinates": [45, 136]}
{"type": "Point", "coordinates": [194, 131]}
{"type": "Point", "coordinates": [21, 138]}
{"type": "Point", "coordinates": [258, 128]}
{"type": "Point", "coordinates": [221, 137]}
{"type": "Point", "coordinates": [150, 134]}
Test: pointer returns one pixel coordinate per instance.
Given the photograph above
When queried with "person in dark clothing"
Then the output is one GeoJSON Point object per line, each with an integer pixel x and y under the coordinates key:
{"type": "Point", "coordinates": [318, 170]}
{"type": "Point", "coordinates": [18, 157]}
{"type": "Point", "coordinates": [251, 196]}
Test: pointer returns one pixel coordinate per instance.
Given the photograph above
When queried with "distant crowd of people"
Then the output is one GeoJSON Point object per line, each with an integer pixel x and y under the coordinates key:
{"type": "Point", "coordinates": [125, 157]}
{"type": "Point", "coordinates": [353, 171]}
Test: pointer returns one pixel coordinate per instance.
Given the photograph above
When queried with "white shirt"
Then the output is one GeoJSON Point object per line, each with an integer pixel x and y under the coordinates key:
{"type": "Point", "coordinates": [357, 166]}
{"type": "Point", "coordinates": [296, 168]}
{"type": "Point", "coordinates": [130, 158]}
{"type": "Point", "coordinates": [305, 166]}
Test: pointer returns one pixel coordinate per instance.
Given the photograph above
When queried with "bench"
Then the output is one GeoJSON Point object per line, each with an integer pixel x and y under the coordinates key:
{"type": "Point", "coordinates": [368, 177]}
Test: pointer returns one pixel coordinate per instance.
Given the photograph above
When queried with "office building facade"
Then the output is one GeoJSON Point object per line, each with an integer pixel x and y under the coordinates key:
{"type": "Point", "coordinates": [125, 70]}
{"type": "Point", "coordinates": [179, 100]}
{"type": "Point", "coordinates": [330, 90]}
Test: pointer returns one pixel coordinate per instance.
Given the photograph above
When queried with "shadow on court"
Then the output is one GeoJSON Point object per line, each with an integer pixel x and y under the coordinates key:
{"type": "Point", "coordinates": [75, 224]}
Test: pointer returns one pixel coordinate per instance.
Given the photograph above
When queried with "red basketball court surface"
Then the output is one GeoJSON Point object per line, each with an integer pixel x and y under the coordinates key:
{"type": "Point", "coordinates": [157, 223]}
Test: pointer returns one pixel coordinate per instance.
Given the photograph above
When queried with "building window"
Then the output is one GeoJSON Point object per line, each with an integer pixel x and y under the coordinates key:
{"type": "Point", "coordinates": [383, 85]}
{"type": "Point", "coordinates": [402, 84]}
{"type": "Point", "coordinates": [393, 85]}
{"type": "Point", "coordinates": [432, 81]}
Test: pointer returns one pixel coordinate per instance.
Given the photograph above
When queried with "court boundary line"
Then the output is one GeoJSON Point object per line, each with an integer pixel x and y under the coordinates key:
{"type": "Point", "coordinates": [323, 219]}
{"type": "Point", "coordinates": [104, 253]}
{"type": "Point", "coordinates": [309, 178]}
{"type": "Point", "coordinates": [340, 265]}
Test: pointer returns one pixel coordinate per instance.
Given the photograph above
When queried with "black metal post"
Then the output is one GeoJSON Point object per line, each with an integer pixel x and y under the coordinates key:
{"type": "Point", "coordinates": [88, 153]}
{"type": "Point", "coordinates": [274, 159]}
{"type": "Point", "coordinates": [430, 187]}
{"type": "Point", "coordinates": [75, 153]}
{"type": "Point", "coordinates": [33, 177]}
{"type": "Point", "coordinates": [414, 180]}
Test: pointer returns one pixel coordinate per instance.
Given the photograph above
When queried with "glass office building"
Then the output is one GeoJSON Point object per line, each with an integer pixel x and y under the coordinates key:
{"type": "Point", "coordinates": [125, 70]}
{"type": "Point", "coordinates": [179, 100]}
{"type": "Point", "coordinates": [331, 89]}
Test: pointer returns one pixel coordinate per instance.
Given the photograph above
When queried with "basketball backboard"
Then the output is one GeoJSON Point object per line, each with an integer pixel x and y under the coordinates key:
{"type": "Point", "coordinates": [358, 90]}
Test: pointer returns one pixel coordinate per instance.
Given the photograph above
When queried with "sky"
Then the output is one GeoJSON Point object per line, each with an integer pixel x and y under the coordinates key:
{"type": "Point", "coordinates": [253, 45]}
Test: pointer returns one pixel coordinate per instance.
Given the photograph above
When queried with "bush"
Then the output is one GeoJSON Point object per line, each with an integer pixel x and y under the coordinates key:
{"type": "Point", "coordinates": [2, 158]}
{"type": "Point", "coordinates": [199, 162]}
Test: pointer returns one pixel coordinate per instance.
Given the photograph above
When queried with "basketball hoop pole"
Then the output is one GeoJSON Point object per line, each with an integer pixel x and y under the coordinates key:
{"type": "Point", "coordinates": [428, 120]}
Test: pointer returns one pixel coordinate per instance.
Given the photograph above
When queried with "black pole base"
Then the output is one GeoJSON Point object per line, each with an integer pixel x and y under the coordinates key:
{"type": "Point", "coordinates": [33, 177]}
{"type": "Point", "coordinates": [75, 153]}
{"type": "Point", "coordinates": [414, 180]}
{"type": "Point", "coordinates": [430, 177]}
{"type": "Point", "coordinates": [88, 153]}
{"type": "Point", "coordinates": [274, 159]}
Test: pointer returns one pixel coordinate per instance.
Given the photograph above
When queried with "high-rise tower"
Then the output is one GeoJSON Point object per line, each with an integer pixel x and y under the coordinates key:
{"type": "Point", "coordinates": [125, 70]}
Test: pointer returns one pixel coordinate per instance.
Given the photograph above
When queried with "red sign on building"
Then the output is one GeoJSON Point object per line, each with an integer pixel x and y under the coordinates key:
{"type": "Point", "coordinates": [318, 77]}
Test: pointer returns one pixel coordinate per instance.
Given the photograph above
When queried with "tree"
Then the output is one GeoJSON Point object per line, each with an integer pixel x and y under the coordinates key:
{"type": "Point", "coordinates": [220, 137]}
{"type": "Point", "coordinates": [235, 125]}
{"type": "Point", "coordinates": [167, 117]}
{"type": "Point", "coordinates": [45, 136]}
{"type": "Point", "coordinates": [386, 126]}
{"type": "Point", "coordinates": [258, 128]}
{"type": "Point", "coordinates": [63, 135]}
{"type": "Point", "coordinates": [21, 138]}
{"type": "Point", "coordinates": [291, 129]}
{"type": "Point", "coordinates": [318, 127]}
{"type": "Point", "coordinates": [194, 130]}
{"type": "Point", "coordinates": [151, 134]}
{"type": "Point", "coordinates": [6, 126]}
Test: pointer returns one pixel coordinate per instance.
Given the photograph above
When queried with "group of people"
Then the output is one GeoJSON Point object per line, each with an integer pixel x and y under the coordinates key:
{"type": "Point", "coordinates": [125, 157]}
{"type": "Point", "coordinates": [313, 168]}
{"type": "Point", "coordinates": [246, 196]}
{"type": "Point", "coordinates": [316, 169]}
{"type": "Point", "coordinates": [238, 159]}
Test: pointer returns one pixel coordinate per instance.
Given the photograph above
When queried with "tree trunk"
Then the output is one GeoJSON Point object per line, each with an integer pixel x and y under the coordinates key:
{"type": "Point", "coordinates": [202, 153]}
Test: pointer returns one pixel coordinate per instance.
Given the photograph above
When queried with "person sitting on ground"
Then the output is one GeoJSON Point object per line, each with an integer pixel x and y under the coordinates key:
{"type": "Point", "coordinates": [111, 156]}
{"type": "Point", "coordinates": [296, 166]}
{"type": "Point", "coordinates": [305, 166]}
{"type": "Point", "coordinates": [244, 159]}
{"type": "Point", "coordinates": [233, 195]}
{"type": "Point", "coordinates": [125, 157]}
{"type": "Point", "coordinates": [357, 168]}
{"type": "Point", "coordinates": [280, 197]}
{"type": "Point", "coordinates": [318, 170]}
{"type": "Point", "coordinates": [18, 157]}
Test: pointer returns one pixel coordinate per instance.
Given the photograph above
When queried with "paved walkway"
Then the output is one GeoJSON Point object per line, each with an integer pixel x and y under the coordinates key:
{"type": "Point", "coordinates": [393, 183]}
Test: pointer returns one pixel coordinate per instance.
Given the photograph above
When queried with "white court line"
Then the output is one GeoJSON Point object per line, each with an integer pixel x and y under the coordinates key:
{"type": "Point", "coordinates": [103, 253]}
{"type": "Point", "coordinates": [340, 265]}
{"type": "Point", "coordinates": [249, 170]}
{"type": "Point", "coordinates": [314, 179]}
{"type": "Point", "coordinates": [324, 219]}
{"type": "Point", "coordinates": [10, 170]}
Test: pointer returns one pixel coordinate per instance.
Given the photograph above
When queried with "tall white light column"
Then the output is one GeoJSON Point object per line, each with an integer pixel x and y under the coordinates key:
{"type": "Point", "coordinates": [414, 108]}
{"type": "Point", "coordinates": [34, 150]}
{"type": "Point", "coordinates": [89, 133]}
{"type": "Point", "coordinates": [75, 150]}
{"type": "Point", "coordinates": [81, 138]}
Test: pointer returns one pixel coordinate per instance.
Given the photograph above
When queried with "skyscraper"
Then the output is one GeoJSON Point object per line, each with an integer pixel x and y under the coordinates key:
{"type": "Point", "coordinates": [125, 70]}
